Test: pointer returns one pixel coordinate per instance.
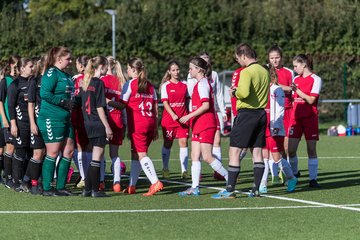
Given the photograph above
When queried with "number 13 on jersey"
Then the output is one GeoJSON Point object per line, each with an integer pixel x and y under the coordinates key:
{"type": "Point", "coordinates": [146, 108]}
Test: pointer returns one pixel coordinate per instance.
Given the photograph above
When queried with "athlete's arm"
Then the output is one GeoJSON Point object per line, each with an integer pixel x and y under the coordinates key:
{"type": "Point", "coordinates": [170, 111]}
{"type": "Point", "coordinates": [48, 84]}
{"type": "Point", "coordinates": [204, 107]}
{"type": "Point", "coordinates": [103, 118]}
{"type": "Point", "coordinates": [31, 111]}
{"type": "Point", "coordinates": [117, 105]}
{"type": "Point", "coordinates": [309, 99]}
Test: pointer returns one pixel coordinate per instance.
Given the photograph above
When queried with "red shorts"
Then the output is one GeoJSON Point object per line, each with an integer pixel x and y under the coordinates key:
{"type": "Point", "coordinates": [217, 122]}
{"type": "Point", "coordinates": [275, 144]}
{"type": "Point", "coordinates": [206, 136]}
{"type": "Point", "coordinates": [287, 117]}
{"type": "Point", "coordinates": [77, 121]}
{"type": "Point", "coordinates": [140, 142]}
{"type": "Point", "coordinates": [308, 126]}
{"type": "Point", "coordinates": [116, 126]}
{"type": "Point", "coordinates": [169, 134]}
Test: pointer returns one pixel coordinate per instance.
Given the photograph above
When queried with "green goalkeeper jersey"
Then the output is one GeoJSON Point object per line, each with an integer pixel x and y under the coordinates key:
{"type": "Point", "coordinates": [56, 85]}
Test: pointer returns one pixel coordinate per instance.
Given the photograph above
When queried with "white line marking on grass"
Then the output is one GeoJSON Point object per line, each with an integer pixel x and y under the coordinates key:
{"type": "Point", "coordinates": [169, 210]}
{"type": "Point", "coordinates": [281, 198]}
{"type": "Point", "coordinates": [156, 210]}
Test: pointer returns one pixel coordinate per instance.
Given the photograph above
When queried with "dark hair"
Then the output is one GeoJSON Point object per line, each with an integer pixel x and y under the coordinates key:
{"type": "Point", "coordinates": [13, 60]}
{"type": "Point", "coordinates": [275, 48]}
{"type": "Point", "coordinates": [167, 75]}
{"type": "Point", "coordinates": [54, 53]}
{"type": "Point", "coordinates": [83, 60]}
{"type": "Point", "coordinates": [245, 49]}
{"type": "Point", "coordinates": [138, 64]}
{"type": "Point", "coordinates": [89, 72]}
{"type": "Point", "coordinates": [207, 55]}
{"type": "Point", "coordinates": [22, 63]}
{"type": "Point", "coordinates": [307, 59]}
{"type": "Point", "coordinates": [203, 65]}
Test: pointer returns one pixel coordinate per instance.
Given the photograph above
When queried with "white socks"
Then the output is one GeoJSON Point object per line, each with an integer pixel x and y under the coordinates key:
{"type": "Point", "coordinates": [266, 172]}
{"type": "Point", "coordinates": [313, 168]}
{"type": "Point", "coordinates": [218, 167]}
{"type": "Point", "coordinates": [184, 156]}
{"type": "Point", "coordinates": [149, 169]}
{"type": "Point", "coordinates": [273, 168]}
{"type": "Point", "coordinates": [195, 173]}
{"type": "Point", "coordinates": [165, 157]}
{"type": "Point", "coordinates": [134, 172]}
{"type": "Point", "coordinates": [216, 152]}
{"type": "Point", "coordinates": [80, 163]}
{"type": "Point", "coordinates": [116, 169]}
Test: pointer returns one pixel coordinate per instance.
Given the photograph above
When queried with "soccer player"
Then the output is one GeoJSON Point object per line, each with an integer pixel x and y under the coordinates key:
{"type": "Point", "coordinates": [54, 120]}
{"type": "Point", "coordinates": [250, 123]}
{"type": "Point", "coordinates": [114, 81]}
{"type": "Point", "coordinates": [304, 117]}
{"type": "Point", "coordinates": [139, 98]}
{"type": "Point", "coordinates": [285, 78]}
{"type": "Point", "coordinates": [82, 158]}
{"type": "Point", "coordinates": [175, 98]}
{"type": "Point", "coordinates": [10, 73]}
{"type": "Point", "coordinates": [218, 106]}
{"type": "Point", "coordinates": [203, 124]}
{"type": "Point", "coordinates": [36, 140]}
{"type": "Point", "coordinates": [17, 93]}
{"type": "Point", "coordinates": [275, 133]}
{"type": "Point", "coordinates": [96, 124]}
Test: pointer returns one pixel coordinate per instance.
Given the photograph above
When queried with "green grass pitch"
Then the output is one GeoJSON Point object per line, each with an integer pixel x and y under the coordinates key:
{"type": "Point", "coordinates": [331, 212]}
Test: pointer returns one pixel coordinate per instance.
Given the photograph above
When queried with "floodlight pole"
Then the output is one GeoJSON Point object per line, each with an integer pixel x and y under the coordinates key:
{"type": "Point", "coordinates": [112, 12]}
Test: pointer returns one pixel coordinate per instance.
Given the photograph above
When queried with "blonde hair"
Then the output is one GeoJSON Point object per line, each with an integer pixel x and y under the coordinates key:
{"type": "Point", "coordinates": [116, 70]}
{"type": "Point", "coordinates": [89, 72]}
{"type": "Point", "coordinates": [273, 74]}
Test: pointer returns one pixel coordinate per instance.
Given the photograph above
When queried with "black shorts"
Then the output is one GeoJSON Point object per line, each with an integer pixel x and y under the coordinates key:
{"type": "Point", "coordinates": [7, 136]}
{"type": "Point", "coordinates": [99, 141]}
{"type": "Point", "coordinates": [249, 129]}
{"type": "Point", "coordinates": [2, 138]}
{"type": "Point", "coordinates": [36, 141]}
{"type": "Point", "coordinates": [23, 139]}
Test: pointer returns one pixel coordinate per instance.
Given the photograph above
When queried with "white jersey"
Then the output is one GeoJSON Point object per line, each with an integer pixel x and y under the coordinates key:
{"type": "Point", "coordinates": [277, 103]}
{"type": "Point", "coordinates": [216, 86]}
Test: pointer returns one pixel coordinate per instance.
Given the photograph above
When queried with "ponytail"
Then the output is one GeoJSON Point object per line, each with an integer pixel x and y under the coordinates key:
{"type": "Point", "coordinates": [138, 65]}
{"type": "Point", "coordinates": [273, 74]}
{"type": "Point", "coordinates": [89, 72]}
{"type": "Point", "coordinates": [13, 60]}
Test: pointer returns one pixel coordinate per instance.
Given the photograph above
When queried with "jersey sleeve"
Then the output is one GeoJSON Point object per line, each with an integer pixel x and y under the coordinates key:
{"type": "Point", "coordinates": [315, 90]}
{"type": "Point", "coordinates": [32, 90]}
{"type": "Point", "coordinates": [100, 94]}
{"type": "Point", "coordinates": [126, 92]}
{"type": "Point", "coordinates": [219, 93]}
{"type": "Point", "coordinates": [3, 90]}
{"type": "Point", "coordinates": [12, 98]}
{"type": "Point", "coordinates": [48, 85]}
{"type": "Point", "coordinates": [164, 95]}
{"type": "Point", "coordinates": [204, 91]}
